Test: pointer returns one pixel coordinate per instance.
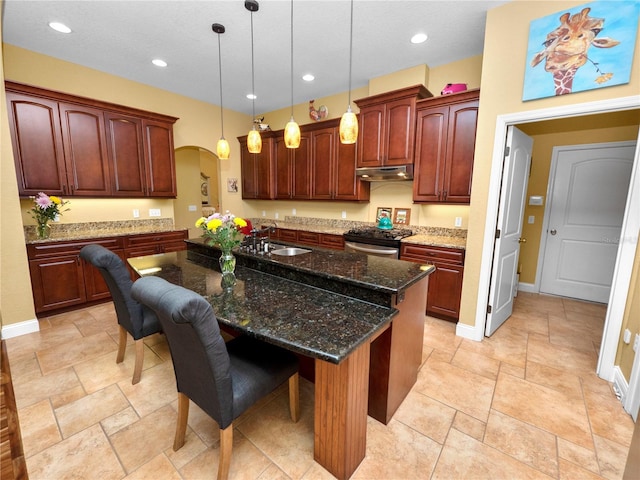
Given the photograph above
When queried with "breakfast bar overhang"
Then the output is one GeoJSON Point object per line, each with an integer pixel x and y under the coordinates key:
{"type": "Point", "coordinates": [360, 318]}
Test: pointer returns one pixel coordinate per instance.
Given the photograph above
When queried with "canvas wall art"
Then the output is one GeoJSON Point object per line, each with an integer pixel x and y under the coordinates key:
{"type": "Point", "coordinates": [582, 48]}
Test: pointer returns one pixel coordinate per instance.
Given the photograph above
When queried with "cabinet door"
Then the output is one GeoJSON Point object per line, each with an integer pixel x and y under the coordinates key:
{"type": "Point", "coordinates": [282, 178]}
{"type": "Point", "coordinates": [399, 131]}
{"type": "Point", "coordinates": [347, 185]}
{"type": "Point", "coordinates": [37, 145]}
{"type": "Point", "coordinates": [461, 143]}
{"type": "Point", "coordinates": [57, 282]}
{"type": "Point", "coordinates": [85, 150]}
{"type": "Point", "coordinates": [371, 136]}
{"type": "Point", "coordinates": [328, 240]}
{"type": "Point", "coordinates": [301, 169]}
{"type": "Point", "coordinates": [160, 165]}
{"type": "Point", "coordinates": [431, 144]}
{"type": "Point", "coordinates": [126, 156]}
{"type": "Point", "coordinates": [322, 142]}
{"type": "Point", "coordinates": [257, 175]}
{"type": "Point", "coordinates": [445, 289]}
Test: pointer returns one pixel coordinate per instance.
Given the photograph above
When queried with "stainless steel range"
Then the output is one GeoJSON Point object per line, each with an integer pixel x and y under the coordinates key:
{"type": "Point", "coordinates": [375, 241]}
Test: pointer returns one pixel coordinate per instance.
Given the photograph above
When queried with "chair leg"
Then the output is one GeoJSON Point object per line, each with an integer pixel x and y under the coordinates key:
{"type": "Point", "coordinates": [294, 397]}
{"type": "Point", "coordinates": [181, 425]}
{"type": "Point", "coordinates": [137, 370]}
{"type": "Point", "coordinates": [226, 445]}
{"type": "Point", "coordinates": [122, 344]}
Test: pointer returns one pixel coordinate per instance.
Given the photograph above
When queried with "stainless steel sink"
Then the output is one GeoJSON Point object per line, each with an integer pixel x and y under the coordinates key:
{"type": "Point", "coordinates": [289, 251]}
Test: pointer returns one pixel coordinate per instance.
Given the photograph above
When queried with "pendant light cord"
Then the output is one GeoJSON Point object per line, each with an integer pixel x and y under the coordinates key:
{"type": "Point", "coordinates": [220, 68]}
{"type": "Point", "coordinates": [350, 51]}
{"type": "Point", "coordinates": [292, 59]}
{"type": "Point", "coordinates": [253, 80]}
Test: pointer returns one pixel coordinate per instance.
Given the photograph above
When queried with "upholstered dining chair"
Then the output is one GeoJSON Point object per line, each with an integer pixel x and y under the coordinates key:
{"type": "Point", "coordinates": [133, 318]}
{"type": "Point", "coordinates": [224, 380]}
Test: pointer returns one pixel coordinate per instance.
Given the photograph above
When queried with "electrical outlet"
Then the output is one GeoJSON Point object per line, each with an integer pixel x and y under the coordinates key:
{"type": "Point", "coordinates": [293, 212]}
{"type": "Point", "coordinates": [192, 208]}
{"type": "Point", "coordinates": [136, 213]}
{"type": "Point", "coordinates": [531, 219]}
{"type": "Point", "coordinates": [264, 213]}
{"type": "Point", "coordinates": [636, 342]}
{"type": "Point", "coordinates": [277, 216]}
{"type": "Point", "coordinates": [155, 212]}
{"type": "Point", "coordinates": [344, 214]}
{"type": "Point", "coordinates": [458, 222]}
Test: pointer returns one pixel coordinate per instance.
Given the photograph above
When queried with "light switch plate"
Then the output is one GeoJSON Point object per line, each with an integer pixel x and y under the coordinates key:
{"type": "Point", "coordinates": [136, 213]}
{"type": "Point", "coordinates": [458, 222]}
{"type": "Point", "coordinates": [536, 200]}
{"type": "Point", "coordinates": [531, 219]}
{"type": "Point", "coordinates": [192, 208]}
{"type": "Point", "coordinates": [155, 212]}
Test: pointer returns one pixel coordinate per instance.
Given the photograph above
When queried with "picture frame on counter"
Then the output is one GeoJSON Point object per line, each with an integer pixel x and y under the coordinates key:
{"type": "Point", "coordinates": [402, 216]}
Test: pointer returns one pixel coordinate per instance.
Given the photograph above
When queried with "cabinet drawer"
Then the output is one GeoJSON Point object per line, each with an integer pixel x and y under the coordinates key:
{"type": "Point", "coordinates": [311, 238]}
{"type": "Point", "coordinates": [287, 235]}
{"type": "Point", "coordinates": [332, 241]}
{"type": "Point", "coordinates": [423, 253]}
{"type": "Point", "coordinates": [44, 250]}
{"type": "Point", "coordinates": [153, 238]}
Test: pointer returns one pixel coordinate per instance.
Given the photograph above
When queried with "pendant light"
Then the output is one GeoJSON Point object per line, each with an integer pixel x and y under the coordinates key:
{"type": "Point", "coordinates": [254, 141]}
{"type": "Point", "coordinates": [349, 121]}
{"type": "Point", "coordinates": [292, 130]}
{"type": "Point", "coordinates": [222, 148]}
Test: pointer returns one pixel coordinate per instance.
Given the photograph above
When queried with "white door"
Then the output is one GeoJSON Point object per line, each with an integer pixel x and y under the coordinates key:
{"type": "Point", "coordinates": [507, 246]}
{"type": "Point", "coordinates": [586, 206]}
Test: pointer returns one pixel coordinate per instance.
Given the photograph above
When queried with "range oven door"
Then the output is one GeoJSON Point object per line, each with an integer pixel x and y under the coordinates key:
{"type": "Point", "coordinates": [376, 250]}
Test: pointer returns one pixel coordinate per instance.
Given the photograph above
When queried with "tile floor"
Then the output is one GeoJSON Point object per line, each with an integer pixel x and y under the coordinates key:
{"type": "Point", "coordinates": [524, 403]}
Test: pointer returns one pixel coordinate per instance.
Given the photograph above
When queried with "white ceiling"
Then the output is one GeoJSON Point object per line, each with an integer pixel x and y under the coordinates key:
{"type": "Point", "coordinates": [121, 37]}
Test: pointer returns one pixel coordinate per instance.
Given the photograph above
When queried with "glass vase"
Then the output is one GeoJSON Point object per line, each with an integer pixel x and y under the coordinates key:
{"type": "Point", "coordinates": [227, 262]}
{"type": "Point", "coordinates": [43, 230]}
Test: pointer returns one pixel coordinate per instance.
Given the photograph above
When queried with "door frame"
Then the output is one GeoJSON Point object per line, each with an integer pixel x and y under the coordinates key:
{"type": "Point", "coordinates": [630, 226]}
{"type": "Point", "coordinates": [547, 208]}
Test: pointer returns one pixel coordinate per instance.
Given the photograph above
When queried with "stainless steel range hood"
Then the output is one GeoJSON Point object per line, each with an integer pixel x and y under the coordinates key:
{"type": "Point", "coordinates": [385, 174]}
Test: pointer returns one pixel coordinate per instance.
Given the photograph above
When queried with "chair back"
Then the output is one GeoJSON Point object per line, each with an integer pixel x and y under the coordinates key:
{"type": "Point", "coordinates": [116, 276]}
{"type": "Point", "coordinates": [200, 359]}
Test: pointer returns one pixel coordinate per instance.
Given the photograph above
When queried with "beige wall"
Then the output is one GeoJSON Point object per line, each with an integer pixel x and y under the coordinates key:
{"type": "Point", "coordinates": [502, 81]}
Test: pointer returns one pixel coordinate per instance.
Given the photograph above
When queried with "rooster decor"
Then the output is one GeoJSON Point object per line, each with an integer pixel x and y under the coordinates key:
{"type": "Point", "coordinates": [321, 113]}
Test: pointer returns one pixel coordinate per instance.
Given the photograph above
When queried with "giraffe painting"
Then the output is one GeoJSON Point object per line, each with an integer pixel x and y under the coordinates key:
{"type": "Point", "coordinates": [566, 47]}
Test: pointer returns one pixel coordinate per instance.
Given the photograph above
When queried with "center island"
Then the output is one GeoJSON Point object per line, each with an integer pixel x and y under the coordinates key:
{"type": "Point", "coordinates": [357, 319]}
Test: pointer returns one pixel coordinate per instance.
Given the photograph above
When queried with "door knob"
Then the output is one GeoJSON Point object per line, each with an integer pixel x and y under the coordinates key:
{"type": "Point", "coordinates": [522, 240]}
{"type": "Point", "coordinates": [553, 231]}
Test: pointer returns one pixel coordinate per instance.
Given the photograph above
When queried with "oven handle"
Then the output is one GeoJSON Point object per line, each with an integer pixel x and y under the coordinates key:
{"type": "Point", "coordinates": [378, 250]}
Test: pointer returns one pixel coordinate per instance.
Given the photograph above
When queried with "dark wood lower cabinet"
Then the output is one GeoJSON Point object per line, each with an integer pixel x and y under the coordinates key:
{"type": "Point", "coordinates": [61, 280]}
{"type": "Point", "coordinates": [445, 284]}
{"type": "Point", "coordinates": [325, 240]}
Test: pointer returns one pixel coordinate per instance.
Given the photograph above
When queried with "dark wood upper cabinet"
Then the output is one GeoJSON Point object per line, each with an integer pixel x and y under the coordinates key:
{"type": "Point", "coordinates": [386, 134]}
{"type": "Point", "coordinates": [445, 145]}
{"type": "Point", "coordinates": [321, 168]}
{"type": "Point", "coordinates": [74, 146]}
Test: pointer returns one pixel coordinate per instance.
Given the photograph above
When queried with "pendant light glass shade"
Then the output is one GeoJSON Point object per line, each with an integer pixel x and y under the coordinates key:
{"type": "Point", "coordinates": [348, 127]}
{"type": "Point", "coordinates": [349, 121]}
{"type": "Point", "coordinates": [292, 134]}
{"type": "Point", "coordinates": [291, 129]}
{"type": "Point", "coordinates": [254, 141]}
{"type": "Point", "coordinates": [222, 149]}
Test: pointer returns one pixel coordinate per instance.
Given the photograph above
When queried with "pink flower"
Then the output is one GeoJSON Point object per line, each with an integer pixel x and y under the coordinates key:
{"type": "Point", "coordinates": [43, 201]}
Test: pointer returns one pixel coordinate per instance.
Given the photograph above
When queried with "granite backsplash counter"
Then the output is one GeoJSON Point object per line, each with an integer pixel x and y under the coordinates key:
{"type": "Point", "coordinates": [432, 236]}
{"type": "Point", "coordinates": [79, 231]}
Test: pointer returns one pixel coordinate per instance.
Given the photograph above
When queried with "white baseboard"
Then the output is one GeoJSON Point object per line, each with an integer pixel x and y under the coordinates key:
{"type": "Point", "coordinates": [20, 328]}
{"type": "Point", "coordinates": [469, 331]}
{"type": "Point", "coordinates": [620, 385]}
{"type": "Point", "coordinates": [527, 287]}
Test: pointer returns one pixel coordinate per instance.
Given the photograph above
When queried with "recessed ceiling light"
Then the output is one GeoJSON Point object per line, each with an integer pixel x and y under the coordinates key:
{"type": "Point", "coordinates": [59, 27]}
{"type": "Point", "coordinates": [419, 38]}
{"type": "Point", "coordinates": [251, 96]}
{"type": "Point", "coordinates": [159, 63]}
{"type": "Point", "coordinates": [308, 77]}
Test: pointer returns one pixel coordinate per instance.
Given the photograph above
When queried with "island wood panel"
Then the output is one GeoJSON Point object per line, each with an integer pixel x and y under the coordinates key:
{"type": "Point", "coordinates": [396, 355]}
{"type": "Point", "coordinates": [340, 421]}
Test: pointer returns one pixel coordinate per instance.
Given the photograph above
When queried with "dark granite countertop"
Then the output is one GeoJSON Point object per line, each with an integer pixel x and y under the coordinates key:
{"type": "Point", "coordinates": [302, 318]}
{"type": "Point", "coordinates": [373, 279]}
